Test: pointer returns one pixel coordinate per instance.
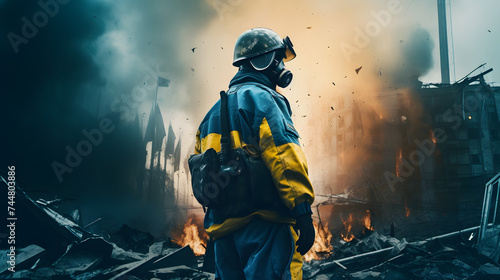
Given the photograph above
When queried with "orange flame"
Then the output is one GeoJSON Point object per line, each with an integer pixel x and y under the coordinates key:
{"type": "Point", "coordinates": [399, 160]}
{"type": "Point", "coordinates": [407, 210]}
{"type": "Point", "coordinates": [348, 236]}
{"type": "Point", "coordinates": [433, 138]}
{"type": "Point", "coordinates": [367, 221]}
{"type": "Point", "coordinates": [192, 237]}
{"type": "Point", "coordinates": [321, 248]}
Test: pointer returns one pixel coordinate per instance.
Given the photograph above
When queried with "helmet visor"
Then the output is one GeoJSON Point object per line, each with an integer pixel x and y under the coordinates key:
{"type": "Point", "coordinates": [289, 51]}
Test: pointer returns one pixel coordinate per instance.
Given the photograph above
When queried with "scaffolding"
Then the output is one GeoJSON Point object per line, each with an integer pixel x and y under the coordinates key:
{"type": "Point", "coordinates": [489, 228]}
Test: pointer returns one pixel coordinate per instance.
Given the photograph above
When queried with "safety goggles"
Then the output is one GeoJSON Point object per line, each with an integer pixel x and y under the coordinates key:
{"type": "Point", "coordinates": [289, 51]}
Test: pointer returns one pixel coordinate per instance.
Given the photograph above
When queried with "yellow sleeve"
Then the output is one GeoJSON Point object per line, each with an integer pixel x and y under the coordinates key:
{"type": "Point", "coordinates": [287, 163]}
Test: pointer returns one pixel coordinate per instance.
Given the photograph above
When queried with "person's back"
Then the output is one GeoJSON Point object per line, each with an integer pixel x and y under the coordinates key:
{"type": "Point", "coordinates": [261, 244]}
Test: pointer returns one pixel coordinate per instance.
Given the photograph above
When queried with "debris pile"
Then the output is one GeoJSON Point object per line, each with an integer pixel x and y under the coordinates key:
{"type": "Point", "coordinates": [376, 256]}
{"type": "Point", "coordinates": [52, 246]}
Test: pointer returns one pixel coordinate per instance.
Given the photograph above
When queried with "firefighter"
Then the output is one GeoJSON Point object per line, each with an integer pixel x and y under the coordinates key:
{"type": "Point", "coordinates": [267, 243]}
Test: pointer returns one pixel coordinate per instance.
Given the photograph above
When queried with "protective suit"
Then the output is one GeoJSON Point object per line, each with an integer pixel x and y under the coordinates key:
{"type": "Point", "coordinates": [263, 244]}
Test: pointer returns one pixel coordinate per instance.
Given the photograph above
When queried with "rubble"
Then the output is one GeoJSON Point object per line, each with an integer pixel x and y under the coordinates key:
{"type": "Point", "coordinates": [25, 257]}
{"type": "Point", "coordinates": [448, 256]}
{"type": "Point", "coordinates": [132, 239]}
{"type": "Point", "coordinates": [62, 249]}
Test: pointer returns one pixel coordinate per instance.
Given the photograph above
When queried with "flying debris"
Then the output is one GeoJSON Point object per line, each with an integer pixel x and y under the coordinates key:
{"type": "Point", "coordinates": [333, 83]}
{"type": "Point", "coordinates": [309, 27]}
{"type": "Point", "coordinates": [489, 30]}
{"type": "Point", "coordinates": [332, 108]}
{"type": "Point", "coordinates": [193, 49]}
{"type": "Point", "coordinates": [357, 70]}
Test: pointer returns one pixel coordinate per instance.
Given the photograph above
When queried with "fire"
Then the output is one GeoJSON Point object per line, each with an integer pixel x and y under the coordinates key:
{"type": "Point", "coordinates": [191, 236]}
{"type": "Point", "coordinates": [399, 161]}
{"type": "Point", "coordinates": [367, 221]}
{"type": "Point", "coordinates": [361, 225]}
{"type": "Point", "coordinates": [407, 209]}
{"type": "Point", "coordinates": [433, 138]}
{"type": "Point", "coordinates": [348, 236]}
{"type": "Point", "coordinates": [321, 247]}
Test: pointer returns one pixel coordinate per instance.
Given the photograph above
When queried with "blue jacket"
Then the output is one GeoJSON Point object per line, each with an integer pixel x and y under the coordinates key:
{"type": "Point", "coordinates": [260, 122]}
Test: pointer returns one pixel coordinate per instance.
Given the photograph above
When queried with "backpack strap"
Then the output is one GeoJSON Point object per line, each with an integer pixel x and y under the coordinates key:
{"type": "Point", "coordinates": [225, 141]}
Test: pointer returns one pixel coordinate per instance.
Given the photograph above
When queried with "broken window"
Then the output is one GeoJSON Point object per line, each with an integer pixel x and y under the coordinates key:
{"type": "Point", "coordinates": [463, 157]}
{"type": "Point", "coordinates": [475, 159]}
{"type": "Point", "coordinates": [462, 134]}
{"type": "Point", "coordinates": [474, 133]}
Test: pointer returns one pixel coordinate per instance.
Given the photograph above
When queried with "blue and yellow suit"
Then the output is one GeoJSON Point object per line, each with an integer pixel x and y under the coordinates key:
{"type": "Point", "coordinates": [260, 122]}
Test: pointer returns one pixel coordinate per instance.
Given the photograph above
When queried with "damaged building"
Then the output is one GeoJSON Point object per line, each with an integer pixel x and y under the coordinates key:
{"type": "Point", "coordinates": [409, 190]}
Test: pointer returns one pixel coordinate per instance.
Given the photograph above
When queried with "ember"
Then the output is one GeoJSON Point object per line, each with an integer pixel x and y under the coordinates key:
{"type": "Point", "coordinates": [192, 236]}
{"type": "Point", "coordinates": [407, 209]}
{"type": "Point", "coordinates": [399, 161]}
{"type": "Point", "coordinates": [433, 138]}
{"type": "Point", "coordinates": [322, 247]}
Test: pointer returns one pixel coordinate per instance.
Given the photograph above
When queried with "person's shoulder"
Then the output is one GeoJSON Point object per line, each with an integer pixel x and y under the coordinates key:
{"type": "Point", "coordinates": [215, 110]}
{"type": "Point", "coordinates": [255, 93]}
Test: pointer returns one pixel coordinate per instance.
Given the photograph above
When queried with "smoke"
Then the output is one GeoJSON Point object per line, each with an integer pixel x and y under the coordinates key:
{"type": "Point", "coordinates": [93, 55]}
{"type": "Point", "coordinates": [43, 84]}
{"type": "Point", "coordinates": [83, 63]}
{"type": "Point", "coordinates": [348, 55]}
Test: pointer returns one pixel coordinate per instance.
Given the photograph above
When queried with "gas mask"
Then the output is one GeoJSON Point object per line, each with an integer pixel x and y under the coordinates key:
{"type": "Point", "coordinates": [273, 66]}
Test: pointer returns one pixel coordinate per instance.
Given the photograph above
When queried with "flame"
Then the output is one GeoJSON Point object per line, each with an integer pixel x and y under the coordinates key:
{"type": "Point", "coordinates": [367, 221]}
{"type": "Point", "coordinates": [407, 210]}
{"type": "Point", "coordinates": [399, 160]}
{"type": "Point", "coordinates": [433, 138]}
{"type": "Point", "coordinates": [348, 236]}
{"type": "Point", "coordinates": [321, 248]}
{"type": "Point", "coordinates": [192, 237]}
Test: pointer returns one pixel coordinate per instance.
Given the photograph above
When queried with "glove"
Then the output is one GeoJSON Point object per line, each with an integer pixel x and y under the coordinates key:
{"type": "Point", "coordinates": [305, 228]}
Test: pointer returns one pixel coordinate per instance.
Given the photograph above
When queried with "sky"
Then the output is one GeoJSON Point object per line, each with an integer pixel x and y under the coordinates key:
{"type": "Point", "coordinates": [68, 65]}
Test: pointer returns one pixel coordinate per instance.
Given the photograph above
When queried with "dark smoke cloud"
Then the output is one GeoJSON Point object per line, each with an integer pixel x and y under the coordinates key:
{"type": "Point", "coordinates": [42, 84]}
{"type": "Point", "coordinates": [406, 56]}
{"type": "Point", "coordinates": [65, 79]}
{"type": "Point", "coordinates": [93, 53]}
